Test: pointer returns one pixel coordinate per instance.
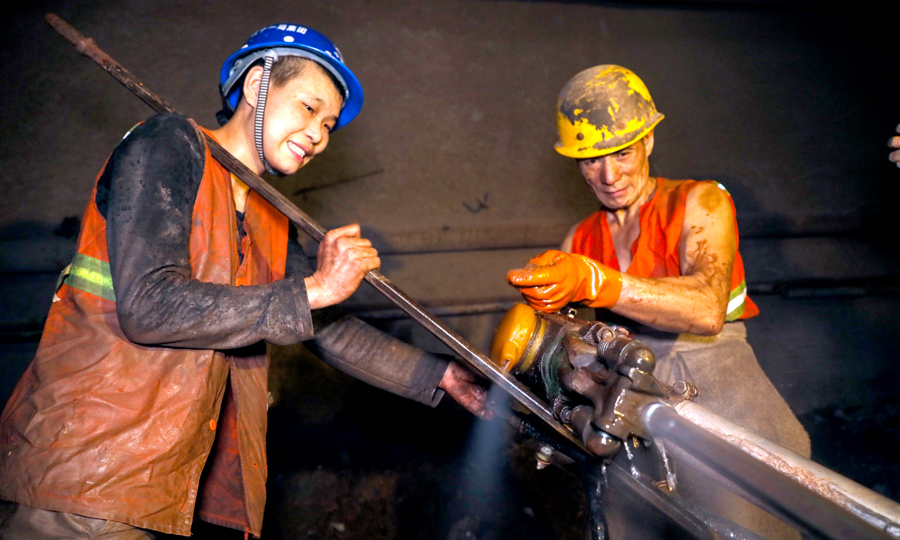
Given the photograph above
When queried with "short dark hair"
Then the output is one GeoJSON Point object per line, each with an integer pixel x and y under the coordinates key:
{"type": "Point", "coordinates": [287, 67]}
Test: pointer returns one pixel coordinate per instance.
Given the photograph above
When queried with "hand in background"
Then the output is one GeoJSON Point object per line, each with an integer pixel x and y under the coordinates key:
{"type": "Point", "coordinates": [894, 142]}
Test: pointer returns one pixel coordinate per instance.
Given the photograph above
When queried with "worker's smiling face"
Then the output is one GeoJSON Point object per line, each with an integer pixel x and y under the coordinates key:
{"type": "Point", "coordinates": [299, 117]}
{"type": "Point", "coordinates": [621, 179]}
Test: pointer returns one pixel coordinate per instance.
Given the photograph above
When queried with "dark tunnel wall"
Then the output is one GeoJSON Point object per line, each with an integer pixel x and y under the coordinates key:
{"type": "Point", "coordinates": [450, 166]}
{"type": "Point", "coordinates": [789, 108]}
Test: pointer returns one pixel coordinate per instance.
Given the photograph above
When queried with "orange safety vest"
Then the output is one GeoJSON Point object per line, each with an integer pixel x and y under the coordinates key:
{"type": "Point", "coordinates": [655, 252]}
{"type": "Point", "coordinates": [110, 429]}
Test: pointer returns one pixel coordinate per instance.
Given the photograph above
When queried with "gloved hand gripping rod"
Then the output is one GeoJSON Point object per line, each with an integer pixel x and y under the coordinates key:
{"type": "Point", "coordinates": [458, 344]}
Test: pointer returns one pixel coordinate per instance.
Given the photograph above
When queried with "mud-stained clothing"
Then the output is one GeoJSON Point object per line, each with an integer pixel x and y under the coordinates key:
{"type": "Point", "coordinates": [732, 385]}
{"type": "Point", "coordinates": [723, 367]}
{"type": "Point", "coordinates": [152, 367]}
{"type": "Point", "coordinates": [20, 522]}
{"type": "Point", "coordinates": [655, 253]}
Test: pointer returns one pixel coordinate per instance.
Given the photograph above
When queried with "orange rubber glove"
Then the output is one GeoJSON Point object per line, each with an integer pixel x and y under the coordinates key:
{"type": "Point", "coordinates": [553, 279]}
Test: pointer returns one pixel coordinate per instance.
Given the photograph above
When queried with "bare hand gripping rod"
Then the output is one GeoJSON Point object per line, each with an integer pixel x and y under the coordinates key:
{"type": "Point", "coordinates": [382, 284]}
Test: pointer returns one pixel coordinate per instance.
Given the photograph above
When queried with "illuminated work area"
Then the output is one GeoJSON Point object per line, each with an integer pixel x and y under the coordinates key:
{"type": "Point", "coordinates": [451, 171]}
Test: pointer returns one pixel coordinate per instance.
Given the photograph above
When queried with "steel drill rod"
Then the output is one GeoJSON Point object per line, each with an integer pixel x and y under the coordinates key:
{"type": "Point", "coordinates": [789, 499]}
{"type": "Point", "coordinates": [873, 508]}
{"type": "Point", "coordinates": [382, 284]}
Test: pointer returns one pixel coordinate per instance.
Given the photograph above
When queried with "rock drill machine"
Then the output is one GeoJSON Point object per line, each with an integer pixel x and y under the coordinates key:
{"type": "Point", "coordinates": [599, 383]}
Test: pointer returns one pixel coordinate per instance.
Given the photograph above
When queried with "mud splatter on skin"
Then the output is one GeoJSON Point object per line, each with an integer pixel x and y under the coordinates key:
{"type": "Point", "coordinates": [709, 266]}
{"type": "Point", "coordinates": [709, 201]}
{"type": "Point", "coordinates": [703, 261]}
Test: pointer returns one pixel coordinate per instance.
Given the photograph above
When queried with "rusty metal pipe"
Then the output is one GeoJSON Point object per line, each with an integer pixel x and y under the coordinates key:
{"type": "Point", "coordinates": [794, 488]}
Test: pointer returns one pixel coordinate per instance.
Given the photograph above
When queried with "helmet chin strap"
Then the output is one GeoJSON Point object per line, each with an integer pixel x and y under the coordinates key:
{"type": "Point", "coordinates": [260, 115]}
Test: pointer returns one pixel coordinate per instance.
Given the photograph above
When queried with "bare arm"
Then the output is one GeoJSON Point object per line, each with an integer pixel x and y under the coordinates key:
{"type": "Point", "coordinates": [697, 301]}
{"type": "Point", "coordinates": [566, 245]}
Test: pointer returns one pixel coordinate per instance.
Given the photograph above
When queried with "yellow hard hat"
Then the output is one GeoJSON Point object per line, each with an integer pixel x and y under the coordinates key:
{"type": "Point", "coordinates": [602, 110]}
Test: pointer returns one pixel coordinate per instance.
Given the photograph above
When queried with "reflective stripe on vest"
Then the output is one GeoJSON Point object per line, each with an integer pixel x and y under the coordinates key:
{"type": "Point", "coordinates": [736, 302]}
{"type": "Point", "coordinates": [91, 276]}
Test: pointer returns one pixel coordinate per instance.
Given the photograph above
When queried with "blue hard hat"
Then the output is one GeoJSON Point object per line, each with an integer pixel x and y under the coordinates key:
{"type": "Point", "coordinates": [291, 40]}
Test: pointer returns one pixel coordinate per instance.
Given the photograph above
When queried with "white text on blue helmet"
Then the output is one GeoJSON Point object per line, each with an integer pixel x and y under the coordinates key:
{"type": "Point", "coordinates": [292, 28]}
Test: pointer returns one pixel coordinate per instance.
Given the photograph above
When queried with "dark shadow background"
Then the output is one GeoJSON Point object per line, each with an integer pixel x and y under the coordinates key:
{"type": "Point", "coordinates": [450, 170]}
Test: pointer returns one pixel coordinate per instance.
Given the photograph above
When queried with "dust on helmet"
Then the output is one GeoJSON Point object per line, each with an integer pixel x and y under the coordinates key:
{"type": "Point", "coordinates": [602, 110]}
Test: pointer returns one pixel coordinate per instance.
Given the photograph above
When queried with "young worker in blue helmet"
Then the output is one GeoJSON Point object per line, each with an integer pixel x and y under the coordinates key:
{"type": "Point", "coordinates": [151, 372]}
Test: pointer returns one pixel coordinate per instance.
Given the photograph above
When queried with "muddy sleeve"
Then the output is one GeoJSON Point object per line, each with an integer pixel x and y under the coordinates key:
{"type": "Point", "coordinates": [147, 193]}
{"type": "Point", "coordinates": [366, 353]}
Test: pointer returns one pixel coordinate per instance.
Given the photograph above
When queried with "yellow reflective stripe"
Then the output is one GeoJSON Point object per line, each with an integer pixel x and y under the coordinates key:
{"type": "Point", "coordinates": [91, 276]}
{"type": "Point", "coordinates": [736, 301]}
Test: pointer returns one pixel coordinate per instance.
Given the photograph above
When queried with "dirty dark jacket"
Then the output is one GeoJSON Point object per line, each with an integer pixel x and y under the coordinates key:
{"type": "Point", "coordinates": [152, 364]}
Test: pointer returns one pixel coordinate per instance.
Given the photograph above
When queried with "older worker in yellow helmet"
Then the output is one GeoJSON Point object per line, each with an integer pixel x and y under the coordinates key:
{"type": "Point", "coordinates": [659, 257]}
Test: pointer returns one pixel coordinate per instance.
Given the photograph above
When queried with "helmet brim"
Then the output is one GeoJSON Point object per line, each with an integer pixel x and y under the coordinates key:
{"type": "Point", "coordinates": [593, 151]}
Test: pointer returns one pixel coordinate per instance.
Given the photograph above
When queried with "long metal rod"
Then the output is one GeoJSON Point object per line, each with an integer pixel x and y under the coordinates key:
{"type": "Point", "coordinates": [382, 284]}
{"type": "Point", "coordinates": [785, 497]}
{"type": "Point", "coordinates": [873, 508]}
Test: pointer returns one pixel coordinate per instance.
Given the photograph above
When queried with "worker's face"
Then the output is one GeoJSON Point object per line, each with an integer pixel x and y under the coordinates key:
{"type": "Point", "coordinates": [621, 179]}
{"type": "Point", "coordinates": [299, 117]}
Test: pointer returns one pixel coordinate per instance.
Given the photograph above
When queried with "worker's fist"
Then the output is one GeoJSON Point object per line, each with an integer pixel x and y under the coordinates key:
{"type": "Point", "coordinates": [344, 259]}
{"type": "Point", "coordinates": [894, 142]}
{"type": "Point", "coordinates": [553, 279]}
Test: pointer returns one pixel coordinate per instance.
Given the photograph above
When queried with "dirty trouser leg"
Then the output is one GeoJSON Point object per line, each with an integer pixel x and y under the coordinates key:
{"type": "Point", "coordinates": [22, 522]}
{"type": "Point", "coordinates": [732, 385]}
